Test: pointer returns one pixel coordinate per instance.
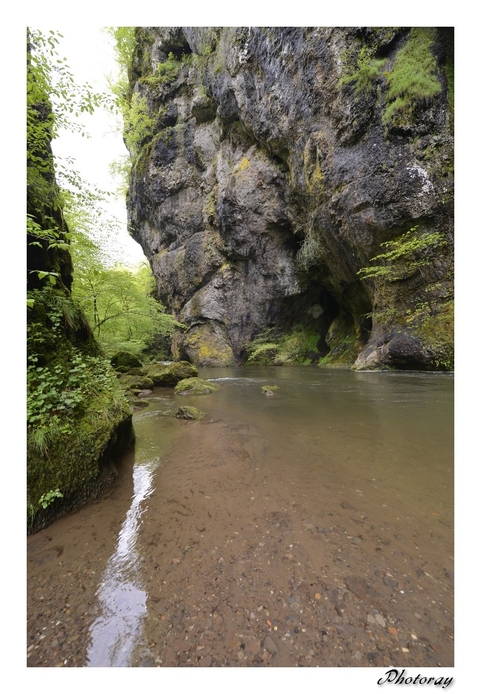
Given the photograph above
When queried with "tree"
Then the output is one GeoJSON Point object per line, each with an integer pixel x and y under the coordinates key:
{"type": "Point", "coordinates": [118, 302]}
{"type": "Point", "coordinates": [120, 307]}
{"type": "Point", "coordinates": [54, 102]}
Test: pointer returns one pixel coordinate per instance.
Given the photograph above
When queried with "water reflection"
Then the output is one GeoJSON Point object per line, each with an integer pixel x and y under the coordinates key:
{"type": "Point", "coordinates": [115, 633]}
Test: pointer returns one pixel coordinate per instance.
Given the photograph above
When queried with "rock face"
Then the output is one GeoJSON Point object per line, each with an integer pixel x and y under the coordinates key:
{"type": "Point", "coordinates": [274, 165]}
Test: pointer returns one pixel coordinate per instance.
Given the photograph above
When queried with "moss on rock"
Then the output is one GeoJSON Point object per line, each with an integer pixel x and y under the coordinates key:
{"type": "Point", "coordinates": [124, 361]}
{"type": "Point", "coordinates": [79, 462]}
{"type": "Point", "coordinates": [195, 386]}
{"type": "Point", "coordinates": [188, 412]}
{"type": "Point", "coordinates": [136, 382]}
{"type": "Point", "coordinates": [170, 374]}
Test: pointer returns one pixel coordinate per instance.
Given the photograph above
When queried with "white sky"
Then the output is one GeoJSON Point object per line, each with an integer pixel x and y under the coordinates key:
{"type": "Point", "coordinates": [91, 58]}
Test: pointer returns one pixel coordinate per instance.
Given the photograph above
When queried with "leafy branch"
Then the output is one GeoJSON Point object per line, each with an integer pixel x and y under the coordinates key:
{"type": "Point", "coordinates": [404, 256]}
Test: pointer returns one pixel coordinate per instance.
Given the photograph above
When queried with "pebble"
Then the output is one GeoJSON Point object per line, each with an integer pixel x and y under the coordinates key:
{"type": "Point", "coordinates": [270, 645]}
{"type": "Point", "coordinates": [417, 615]}
{"type": "Point", "coordinates": [356, 541]}
{"type": "Point", "coordinates": [388, 581]}
{"type": "Point", "coordinates": [380, 620]}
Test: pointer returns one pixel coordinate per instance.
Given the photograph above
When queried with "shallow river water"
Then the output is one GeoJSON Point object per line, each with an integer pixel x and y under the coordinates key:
{"type": "Point", "coordinates": [311, 527]}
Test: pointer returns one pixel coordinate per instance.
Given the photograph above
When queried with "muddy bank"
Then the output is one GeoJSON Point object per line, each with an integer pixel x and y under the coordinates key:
{"type": "Point", "coordinates": [242, 567]}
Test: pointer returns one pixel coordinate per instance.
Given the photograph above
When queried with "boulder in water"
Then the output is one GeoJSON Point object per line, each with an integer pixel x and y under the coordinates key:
{"type": "Point", "coordinates": [195, 386]}
{"type": "Point", "coordinates": [188, 412]}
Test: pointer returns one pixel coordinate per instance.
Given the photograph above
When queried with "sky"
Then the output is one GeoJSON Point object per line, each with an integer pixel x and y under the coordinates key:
{"type": "Point", "coordinates": [90, 56]}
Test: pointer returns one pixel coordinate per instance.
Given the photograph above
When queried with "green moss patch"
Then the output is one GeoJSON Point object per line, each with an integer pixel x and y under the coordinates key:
{"type": "Point", "coordinates": [437, 335]}
{"type": "Point", "coordinates": [124, 361]}
{"type": "Point", "coordinates": [195, 386]}
{"type": "Point", "coordinates": [78, 460]}
{"type": "Point", "coordinates": [269, 389]}
{"type": "Point", "coordinates": [413, 77]}
{"type": "Point", "coordinates": [271, 347]}
{"type": "Point", "coordinates": [170, 374]}
{"type": "Point", "coordinates": [188, 412]}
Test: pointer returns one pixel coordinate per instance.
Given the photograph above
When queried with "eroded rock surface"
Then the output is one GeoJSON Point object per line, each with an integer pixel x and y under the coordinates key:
{"type": "Point", "coordinates": [276, 164]}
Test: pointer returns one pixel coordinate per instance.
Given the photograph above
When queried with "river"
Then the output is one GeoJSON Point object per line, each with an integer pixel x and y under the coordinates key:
{"type": "Point", "coordinates": [310, 527]}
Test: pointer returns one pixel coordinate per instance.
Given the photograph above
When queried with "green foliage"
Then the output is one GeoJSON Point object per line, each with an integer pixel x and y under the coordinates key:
{"type": "Point", "coordinates": [48, 498]}
{"type": "Point", "coordinates": [367, 72]}
{"type": "Point", "coordinates": [124, 46]}
{"type": "Point", "coordinates": [138, 125]}
{"type": "Point", "coordinates": [52, 236]}
{"type": "Point", "coordinates": [77, 453]}
{"type": "Point", "coordinates": [261, 349]}
{"type": "Point", "coordinates": [165, 72]}
{"type": "Point", "coordinates": [54, 103]}
{"type": "Point", "coordinates": [118, 302]}
{"type": "Point", "coordinates": [59, 392]}
{"type": "Point", "coordinates": [271, 347]}
{"type": "Point", "coordinates": [120, 169]}
{"type": "Point", "coordinates": [74, 402]}
{"type": "Point", "coordinates": [404, 256]}
{"type": "Point", "coordinates": [413, 76]}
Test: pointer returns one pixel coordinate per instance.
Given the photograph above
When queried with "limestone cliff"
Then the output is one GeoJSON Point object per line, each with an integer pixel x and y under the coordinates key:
{"type": "Point", "coordinates": [274, 164]}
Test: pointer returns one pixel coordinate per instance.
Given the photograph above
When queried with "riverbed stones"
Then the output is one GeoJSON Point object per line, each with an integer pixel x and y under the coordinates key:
{"type": "Point", "coordinates": [145, 393]}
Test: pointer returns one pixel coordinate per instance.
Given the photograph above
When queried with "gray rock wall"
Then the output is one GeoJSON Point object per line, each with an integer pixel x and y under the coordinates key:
{"type": "Point", "coordinates": [271, 175]}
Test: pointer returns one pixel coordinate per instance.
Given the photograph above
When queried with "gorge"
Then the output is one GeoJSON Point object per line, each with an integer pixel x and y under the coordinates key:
{"type": "Point", "coordinates": [292, 190]}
